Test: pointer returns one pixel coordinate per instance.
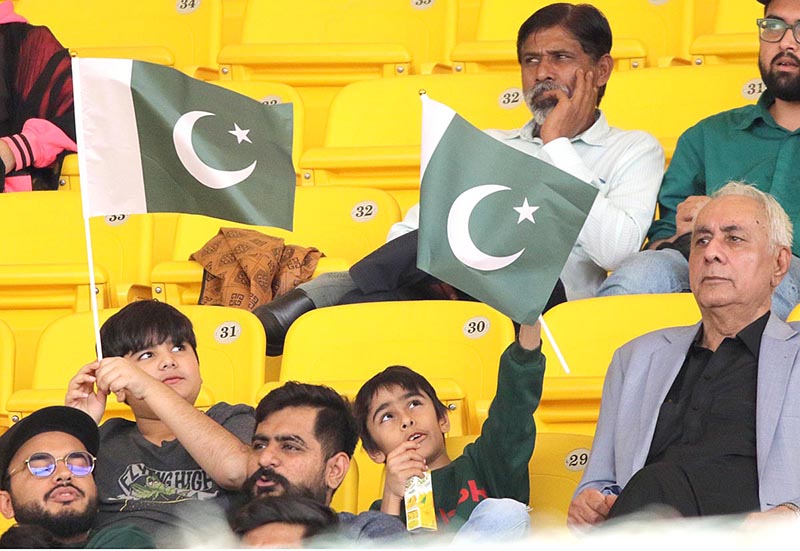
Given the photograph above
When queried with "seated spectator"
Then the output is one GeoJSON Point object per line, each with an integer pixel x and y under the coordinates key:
{"type": "Point", "coordinates": [303, 445]}
{"type": "Point", "coordinates": [702, 419]}
{"type": "Point", "coordinates": [47, 484]}
{"type": "Point", "coordinates": [563, 51]}
{"type": "Point", "coordinates": [155, 472]}
{"type": "Point", "coordinates": [282, 521]}
{"type": "Point", "coordinates": [37, 122]}
{"type": "Point", "coordinates": [403, 423]}
{"type": "Point", "coordinates": [756, 143]}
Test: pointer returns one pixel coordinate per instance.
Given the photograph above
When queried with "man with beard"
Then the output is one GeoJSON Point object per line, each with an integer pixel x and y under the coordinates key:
{"type": "Point", "coordinates": [563, 51]}
{"type": "Point", "coordinates": [759, 144]}
{"type": "Point", "coordinates": [46, 465]}
{"type": "Point", "coordinates": [303, 443]}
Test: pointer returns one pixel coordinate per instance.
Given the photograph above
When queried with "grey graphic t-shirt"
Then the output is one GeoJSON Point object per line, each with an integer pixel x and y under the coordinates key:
{"type": "Point", "coordinates": [159, 487]}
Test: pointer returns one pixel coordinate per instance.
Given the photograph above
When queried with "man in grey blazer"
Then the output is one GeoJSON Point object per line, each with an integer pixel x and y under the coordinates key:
{"type": "Point", "coordinates": [706, 419]}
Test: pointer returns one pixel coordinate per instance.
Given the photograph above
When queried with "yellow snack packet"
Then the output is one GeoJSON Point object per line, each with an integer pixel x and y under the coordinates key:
{"type": "Point", "coordinates": [420, 510]}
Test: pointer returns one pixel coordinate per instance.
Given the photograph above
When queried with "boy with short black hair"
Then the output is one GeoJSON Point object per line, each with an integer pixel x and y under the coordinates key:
{"type": "Point", "coordinates": [402, 424]}
{"type": "Point", "coordinates": [157, 467]}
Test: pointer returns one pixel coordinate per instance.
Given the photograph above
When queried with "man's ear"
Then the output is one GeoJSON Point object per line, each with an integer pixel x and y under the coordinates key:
{"type": "Point", "coordinates": [5, 504]}
{"type": "Point", "coordinates": [444, 423]}
{"type": "Point", "coordinates": [377, 456]}
{"type": "Point", "coordinates": [604, 67]}
{"type": "Point", "coordinates": [336, 469]}
{"type": "Point", "coordinates": [782, 262]}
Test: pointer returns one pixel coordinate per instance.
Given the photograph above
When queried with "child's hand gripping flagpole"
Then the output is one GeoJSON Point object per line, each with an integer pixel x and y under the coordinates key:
{"type": "Point", "coordinates": [553, 343]}
{"type": "Point", "coordinates": [78, 99]}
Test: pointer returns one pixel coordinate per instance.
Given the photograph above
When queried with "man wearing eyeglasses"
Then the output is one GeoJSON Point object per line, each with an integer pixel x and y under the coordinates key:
{"type": "Point", "coordinates": [758, 144]}
{"type": "Point", "coordinates": [46, 465]}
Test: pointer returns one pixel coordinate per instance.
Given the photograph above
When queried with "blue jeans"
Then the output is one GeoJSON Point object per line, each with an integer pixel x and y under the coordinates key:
{"type": "Point", "coordinates": [495, 520]}
{"type": "Point", "coordinates": [667, 271]}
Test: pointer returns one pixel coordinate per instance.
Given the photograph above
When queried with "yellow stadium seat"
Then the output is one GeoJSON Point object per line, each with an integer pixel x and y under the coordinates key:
{"type": "Point", "coordinates": [645, 34]}
{"type": "Point", "coordinates": [725, 32]}
{"type": "Point", "coordinates": [318, 46]}
{"type": "Point", "coordinates": [44, 272]}
{"type": "Point", "coordinates": [318, 42]}
{"type": "Point", "coordinates": [794, 315]}
{"type": "Point", "coordinates": [344, 223]}
{"type": "Point", "coordinates": [272, 93]}
{"type": "Point", "coordinates": [455, 344]}
{"type": "Point", "coordinates": [230, 345]}
{"type": "Point", "coordinates": [588, 332]}
{"type": "Point", "coordinates": [374, 127]}
{"type": "Point", "coordinates": [6, 523]}
{"type": "Point", "coordinates": [7, 359]}
{"type": "Point", "coordinates": [184, 34]}
{"type": "Point", "coordinates": [665, 101]}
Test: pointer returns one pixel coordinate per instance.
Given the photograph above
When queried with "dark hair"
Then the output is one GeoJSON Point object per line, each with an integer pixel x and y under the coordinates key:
{"type": "Point", "coordinates": [28, 536]}
{"type": "Point", "coordinates": [584, 22]}
{"type": "Point", "coordinates": [396, 375]}
{"type": "Point", "coordinates": [304, 511]}
{"type": "Point", "coordinates": [335, 426]}
{"type": "Point", "coordinates": [143, 324]}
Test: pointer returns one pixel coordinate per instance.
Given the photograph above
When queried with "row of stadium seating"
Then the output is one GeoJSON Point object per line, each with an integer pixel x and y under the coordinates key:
{"type": "Point", "coordinates": [317, 46]}
{"type": "Point", "coordinates": [320, 42]}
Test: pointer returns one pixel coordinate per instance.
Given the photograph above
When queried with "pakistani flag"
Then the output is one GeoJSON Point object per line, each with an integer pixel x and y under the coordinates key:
{"type": "Point", "coordinates": [151, 139]}
{"type": "Point", "coordinates": [495, 222]}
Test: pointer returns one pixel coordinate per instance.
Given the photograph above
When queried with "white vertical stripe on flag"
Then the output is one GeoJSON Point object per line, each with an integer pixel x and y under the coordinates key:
{"type": "Point", "coordinates": [109, 157]}
{"type": "Point", "coordinates": [436, 117]}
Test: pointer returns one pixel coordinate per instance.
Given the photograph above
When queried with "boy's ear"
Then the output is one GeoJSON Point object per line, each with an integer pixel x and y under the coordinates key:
{"type": "Point", "coordinates": [5, 504]}
{"type": "Point", "coordinates": [377, 456]}
{"type": "Point", "coordinates": [336, 469]}
{"type": "Point", "coordinates": [444, 423]}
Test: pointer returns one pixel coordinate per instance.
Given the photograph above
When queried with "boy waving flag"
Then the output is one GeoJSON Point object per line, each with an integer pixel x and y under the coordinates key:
{"type": "Point", "coordinates": [151, 139]}
{"type": "Point", "coordinates": [496, 223]}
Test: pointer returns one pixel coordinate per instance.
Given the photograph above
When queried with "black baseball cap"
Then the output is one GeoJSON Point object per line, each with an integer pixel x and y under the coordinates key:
{"type": "Point", "coordinates": [50, 419]}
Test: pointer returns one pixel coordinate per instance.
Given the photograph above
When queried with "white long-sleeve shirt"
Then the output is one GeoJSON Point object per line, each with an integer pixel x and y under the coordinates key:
{"type": "Point", "coordinates": [626, 166]}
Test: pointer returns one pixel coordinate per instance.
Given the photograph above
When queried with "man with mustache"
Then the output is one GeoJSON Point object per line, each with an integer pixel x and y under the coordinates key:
{"type": "Point", "coordinates": [563, 51]}
{"type": "Point", "coordinates": [303, 443]}
{"type": "Point", "coordinates": [46, 480]}
{"type": "Point", "coordinates": [757, 143]}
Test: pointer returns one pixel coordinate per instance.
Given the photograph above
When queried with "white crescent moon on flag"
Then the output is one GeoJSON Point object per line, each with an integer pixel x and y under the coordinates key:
{"type": "Point", "coordinates": [213, 178]}
{"type": "Point", "coordinates": [458, 235]}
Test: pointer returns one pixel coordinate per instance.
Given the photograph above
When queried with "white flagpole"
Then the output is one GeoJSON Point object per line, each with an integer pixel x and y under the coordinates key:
{"type": "Point", "coordinates": [92, 288]}
{"type": "Point", "coordinates": [78, 100]}
{"type": "Point", "coordinates": [556, 349]}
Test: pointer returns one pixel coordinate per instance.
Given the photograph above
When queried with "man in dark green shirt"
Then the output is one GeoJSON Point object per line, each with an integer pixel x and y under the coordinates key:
{"type": "Point", "coordinates": [757, 144]}
{"type": "Point", "coordinates": [46, 480]}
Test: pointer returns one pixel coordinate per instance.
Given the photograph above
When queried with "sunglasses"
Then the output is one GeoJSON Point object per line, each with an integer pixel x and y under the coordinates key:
{"type": "Point", "coordinates": [43, 464]}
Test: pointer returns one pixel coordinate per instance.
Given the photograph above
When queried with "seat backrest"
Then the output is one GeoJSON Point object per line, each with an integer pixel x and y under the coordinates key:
{"type": "Point", "coordinates": [638, 26]}
{"type": "Point", "coordinates": [182, 33]}
{"type": "Point", "coordinates": [44, 271]}
{"type": "Point", "coordinates": [388, 112]}
{"type": "Point", "coordinates": [230, 345]}
{"type": "Point", "coordinates": [272, 93]}
{"type": "Point", "coordinates": [671, 99]}
{"type": "Point", "coordinates": [725, 31]}
{"type": "Point", "coordinates": [343, 223]}
{"type": "Point", "coordinates": [7, 360]}
{"type": "Point", "coordinates": [455, 344]}
{"type": "Point", "coordinates": [426, 29]}
{"type": "Point", "coordinates": [588, 332]}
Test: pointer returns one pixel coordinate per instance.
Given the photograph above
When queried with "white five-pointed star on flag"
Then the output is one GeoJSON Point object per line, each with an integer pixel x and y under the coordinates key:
{"type": "Point", "coordinates": [241, 135]}
{"type": "Point", "coordinates": [526, 212]}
